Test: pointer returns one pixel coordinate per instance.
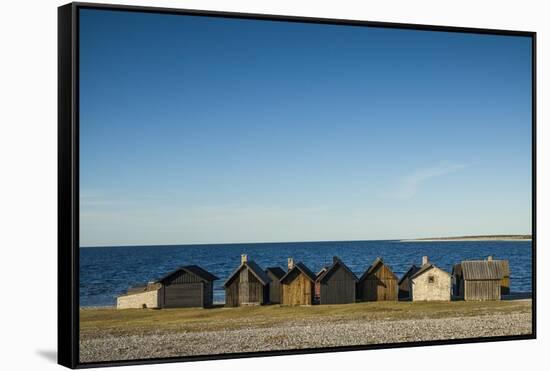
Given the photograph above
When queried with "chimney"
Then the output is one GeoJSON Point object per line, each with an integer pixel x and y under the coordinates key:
{"type": "Point", "coordinates": [490, 258]}
{"type": "Point", "coordinates": [335, 259]}
{"type": "Point", "coordinates": [290, 263]}
{"type": "Point", "coordinates": [424, 260]}
{"type": "Point", "coordinates": [244, 258]}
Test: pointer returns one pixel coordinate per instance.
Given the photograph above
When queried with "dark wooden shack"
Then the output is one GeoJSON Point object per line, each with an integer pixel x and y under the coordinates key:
{"type": "Point", "coordinates": [275, 274]}
{"type": "Point", "coordinates": [404, 283]}
{"type": "Point", "coordinates": [378, 283]}
{"type": "Point", "coordinates": [187, 286]}
{"type": "Point", "coordinates": [477, 280]}
{"type": "Point", "coordinates": [337, 284]}
{"type": "Point", "coordinates": [247, 285]}
{"type": "Point", "coordinates": [297, 285]}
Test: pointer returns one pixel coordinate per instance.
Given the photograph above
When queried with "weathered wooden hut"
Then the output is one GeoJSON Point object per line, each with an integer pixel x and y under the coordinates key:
{"type": "Point", "coordinates": [430, 283]}
{"type": "Point", "coordinates": [187, 286]}
{"type": "Point", "coordinates": [337, 284]}
{"type": "Point", "coordinates": [297, 285]}
{"type": "Point", "coordinates": [247, 285]}
{"type": "Point", "coordinates": [275, 274]}
{"type": "Point", "coordinates": [477, 280]}
{"type": "Point", "coordinates": [404, 283]}
{"type": "Point", "coordinates": [378, 283]}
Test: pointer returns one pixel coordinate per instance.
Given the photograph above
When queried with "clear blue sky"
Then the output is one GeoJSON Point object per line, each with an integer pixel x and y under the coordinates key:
{"type": "Point", "coordinates": [204, 130]}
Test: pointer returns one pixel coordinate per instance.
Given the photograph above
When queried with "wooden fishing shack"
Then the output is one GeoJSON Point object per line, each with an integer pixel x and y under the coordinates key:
{"type": "Point", "coordinates": [337, 284]}
{"type": "Point", "coordinates": [297, 285]}
{"type": "Point", "coordinates": [478, 280]}
{"type": "Point", "coordinates": [187, 286]}
{"type": "Point", "coordinates": [378, 283]}
{"type": "Point", "coordinates": [247, 285]}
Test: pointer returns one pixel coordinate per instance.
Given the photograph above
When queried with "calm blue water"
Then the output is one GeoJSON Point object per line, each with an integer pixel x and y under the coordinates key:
{"type": "Point", "coordinates": [106, 272]}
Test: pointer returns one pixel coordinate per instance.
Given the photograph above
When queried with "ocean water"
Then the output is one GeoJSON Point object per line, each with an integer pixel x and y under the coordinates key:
{"type": "Point", "coordinates": [106, 272]}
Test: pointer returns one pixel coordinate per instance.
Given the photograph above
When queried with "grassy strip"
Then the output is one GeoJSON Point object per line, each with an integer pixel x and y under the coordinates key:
{"type": "Point", "coordinates": [107, 321]}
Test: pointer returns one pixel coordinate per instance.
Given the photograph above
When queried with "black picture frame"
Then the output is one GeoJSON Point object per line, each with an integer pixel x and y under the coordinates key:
{"type": "Point", "coordinates": [68, 180]}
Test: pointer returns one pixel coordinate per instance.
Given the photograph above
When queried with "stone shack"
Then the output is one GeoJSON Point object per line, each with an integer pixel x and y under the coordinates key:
{"type": "Point", "coordinates": [430, 283]}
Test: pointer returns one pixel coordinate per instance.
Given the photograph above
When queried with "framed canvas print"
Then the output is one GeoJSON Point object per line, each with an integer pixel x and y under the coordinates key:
{"type": "Point", "coordinates": [241, 185]}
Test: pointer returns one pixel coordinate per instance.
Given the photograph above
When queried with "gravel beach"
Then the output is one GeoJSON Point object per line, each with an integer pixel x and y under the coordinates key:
{"type": "Point", "coordinates": [252, 335]}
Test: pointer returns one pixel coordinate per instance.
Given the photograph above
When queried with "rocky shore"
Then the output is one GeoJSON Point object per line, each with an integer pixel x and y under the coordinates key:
{"type": "Point", "coordinates": [253, 335]}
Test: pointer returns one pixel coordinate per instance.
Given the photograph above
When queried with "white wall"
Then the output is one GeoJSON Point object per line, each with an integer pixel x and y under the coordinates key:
{"type": "Point", "coordinates": [28, 170]}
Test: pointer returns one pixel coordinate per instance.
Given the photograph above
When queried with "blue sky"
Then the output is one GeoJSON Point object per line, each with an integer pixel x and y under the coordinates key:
{"type": "Point", "coordinates": [210, 130]}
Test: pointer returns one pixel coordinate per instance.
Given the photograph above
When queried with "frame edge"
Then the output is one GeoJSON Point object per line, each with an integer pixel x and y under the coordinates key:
{"type": "Point", "coordinates": [67, 301]}
{"type": "Point", "coordinates": [68, 258]}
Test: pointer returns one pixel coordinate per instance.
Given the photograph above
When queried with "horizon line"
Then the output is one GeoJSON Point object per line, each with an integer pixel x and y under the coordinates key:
{"type": "Point", "coordinates": [311, 241]}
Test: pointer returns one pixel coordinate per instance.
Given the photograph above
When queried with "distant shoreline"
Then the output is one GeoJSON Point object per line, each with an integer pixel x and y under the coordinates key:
{"type": "Point", "coordinates": [526, 238]}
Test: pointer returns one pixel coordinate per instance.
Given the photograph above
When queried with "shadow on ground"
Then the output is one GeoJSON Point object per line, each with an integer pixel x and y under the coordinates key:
{"type": "Point", "coordinates": [50, 355]}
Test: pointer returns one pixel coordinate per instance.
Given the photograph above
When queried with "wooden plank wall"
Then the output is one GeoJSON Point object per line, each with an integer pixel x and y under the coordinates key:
{"type": "Point", "coordinates": [181, 290]}
{"type": "Point", "coordinates": [482, 290]}
{"type": "Point", "coordinates": [274, 290]}
{"type": "Point", "coordinates": [250, 289]}
{"type": "Point", "coordinates": [182, 295]}
{"type": "Point", "coordinates": [181, 277]}
{"type": "Point", "coordinates": [298, 291]}
{"type": "Point", "coordinates": [232, 294]}
{"type": "Point", "coordinates": [339, 288]}
{"type": "Point", "coordinates": [380, 286]}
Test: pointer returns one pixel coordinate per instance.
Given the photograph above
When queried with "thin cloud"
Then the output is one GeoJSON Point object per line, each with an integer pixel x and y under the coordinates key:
{"type": "Point", "coordinates": [410, 184]}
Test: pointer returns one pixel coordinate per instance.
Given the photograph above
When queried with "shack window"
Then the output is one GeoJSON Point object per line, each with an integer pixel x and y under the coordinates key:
{"type": "Point", "coordinates": [431, 279]}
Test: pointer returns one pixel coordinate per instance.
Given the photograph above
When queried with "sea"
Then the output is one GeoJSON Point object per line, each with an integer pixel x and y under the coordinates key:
{"type": "Point", "coordinates": [106, 272]}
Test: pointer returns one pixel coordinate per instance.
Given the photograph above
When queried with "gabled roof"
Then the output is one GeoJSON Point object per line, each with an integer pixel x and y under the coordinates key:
{"type": "Point", "coordinates": [276, 271]}
{"type": "Point", "coordinates": [321, 271]}
{"type": "Point", "coordinates": [256, 270]}
{"type": "Point", "coordinates": [426, 267]}
{"type": "Point", "coordinates": [412, 270]}
{"type": "Point", "coordinates": [302, 268]}
{"type": "Point", "coordinates": [192, 269]}
{"type": "Point", "coordinates": [374, 266]}
{"type": "Point", "coordinates": [482, 270]}
{"type": "Point", "coordinates": [330, 271]}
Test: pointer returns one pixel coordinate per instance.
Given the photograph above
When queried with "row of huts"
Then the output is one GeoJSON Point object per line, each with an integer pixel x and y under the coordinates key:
{"type": "Point", "coordinates": [249, 284]}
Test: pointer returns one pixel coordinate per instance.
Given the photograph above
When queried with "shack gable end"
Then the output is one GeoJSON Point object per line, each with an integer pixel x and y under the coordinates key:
{"type": "Point", "coordinates": [338, 288]}
{"type": "Point", "coordinates": [180, 277]}
{"type": "Point", "coordinates": [248, 285]}
{"type": "Point", "coordinates": [378, 283]}
{"type": "Point", "coordinates": [431, 284]}
{"type": "Point", "coordinates": [379, 271]}
{"type": "Point", "coordinates": [297, 289]}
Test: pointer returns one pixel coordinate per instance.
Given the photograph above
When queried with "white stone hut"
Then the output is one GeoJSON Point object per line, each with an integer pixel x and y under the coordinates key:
{"type": "Point", "coordinates": [430, 283]}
